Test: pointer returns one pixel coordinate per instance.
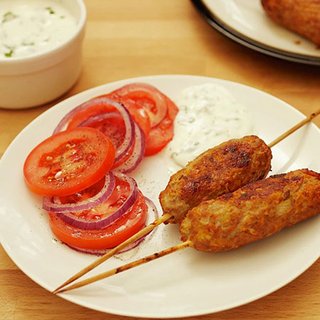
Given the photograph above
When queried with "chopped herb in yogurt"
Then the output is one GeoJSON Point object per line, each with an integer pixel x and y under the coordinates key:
{"type": "Point", "coordinates": [50, 10]}
{"type": "Point", "coordinates": [9, 53]}
{"type": "Point", "coordinates": [8, 16]}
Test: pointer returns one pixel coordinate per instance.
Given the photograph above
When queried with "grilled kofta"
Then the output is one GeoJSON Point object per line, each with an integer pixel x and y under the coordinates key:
{"type": "Point", "coordinates": [300, 16]}
{"type": "Point", "coordinates": [253, 212]}
{"type": "Point", "coordinates": [219, 170]}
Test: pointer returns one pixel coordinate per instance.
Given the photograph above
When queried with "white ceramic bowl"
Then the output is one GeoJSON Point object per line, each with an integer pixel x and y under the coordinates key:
{"type": "Point", "coordinates": [40, 78]}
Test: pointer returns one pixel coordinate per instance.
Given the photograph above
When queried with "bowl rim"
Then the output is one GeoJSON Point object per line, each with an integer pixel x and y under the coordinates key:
{"type": "Point", "coordinates": [15, 61]}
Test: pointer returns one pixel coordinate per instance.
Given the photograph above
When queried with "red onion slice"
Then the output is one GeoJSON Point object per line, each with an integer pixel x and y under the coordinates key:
{"type": "Point", "coordinates": [99, 117]}
{"type": "Point", "coordinates": [54, 205]}
{"type": "Point", "coordinates": [153, 214]}
{"type": "Point", "coordinates": [65, 120]}
{"type": "Point", "coordinates": [78, 222]}
{"type": "Point", "coordinates": [151, 208]}
{"type": "Point", "coordinates": [137, 153]}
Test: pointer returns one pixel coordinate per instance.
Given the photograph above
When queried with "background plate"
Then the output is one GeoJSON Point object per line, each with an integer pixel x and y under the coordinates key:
{"type": "Point", "coordinates": [246, 23]}
{"type": "Point", "coordinates": [186, 283]}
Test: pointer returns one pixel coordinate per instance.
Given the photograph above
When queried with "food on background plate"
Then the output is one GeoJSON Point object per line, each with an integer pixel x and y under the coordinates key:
{"type": "Point", "coordinates": [81, 170]}
{"type": "Point", "coordinates": [299, 16]}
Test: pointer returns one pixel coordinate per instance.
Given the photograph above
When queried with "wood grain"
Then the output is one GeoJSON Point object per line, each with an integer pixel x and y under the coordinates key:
{"type": "Point", "coordinates": [129, 38]}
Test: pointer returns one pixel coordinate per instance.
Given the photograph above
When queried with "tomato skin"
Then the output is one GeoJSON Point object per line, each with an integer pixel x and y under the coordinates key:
{"type": "Point", "coordinates": [163, 133]}
{"type": "Point", "coordinates": [68, 162]}
{"type": "Point", "coordinates": [159, 137]}
{"type": "Point", "coordinates": [172, 109]}
{"type": "Point", "coordinates": [106, 238]}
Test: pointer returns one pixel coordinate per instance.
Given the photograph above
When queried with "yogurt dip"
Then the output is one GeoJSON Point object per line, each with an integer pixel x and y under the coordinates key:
{"type": "Point", "coordinates": [208, 115]}
{"type": "Point", "coordinates": [33, 26]}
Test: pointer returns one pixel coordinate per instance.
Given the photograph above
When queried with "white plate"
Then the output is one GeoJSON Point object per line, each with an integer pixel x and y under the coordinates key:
{"type": "Point", "coordinates": [246, 22]}
{"type": "Point", "coordinates": [188, 282]}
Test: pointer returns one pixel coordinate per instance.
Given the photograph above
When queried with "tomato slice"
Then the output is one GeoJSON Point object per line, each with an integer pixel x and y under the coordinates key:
{"type": "Point", "coordinates": [161, 110]}
{"type": "Point", "coordinates": [123, 228]}
{"type": "Point", "coordinates": [113, 127]}
{"type": "Point", "coordinates": [162, 134]}
{"type": "Point", "coordinates": [146, 97]}
{"type": "Point", "coordinates": [68, 162]}
{"type": "Point", "coordinates": [137, 112]}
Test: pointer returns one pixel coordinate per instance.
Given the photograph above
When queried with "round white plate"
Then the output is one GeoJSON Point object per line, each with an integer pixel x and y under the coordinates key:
{"type": "Point", "coordinates": [247, 23]}
{"type": "Point", "coordinates": [186, 283]}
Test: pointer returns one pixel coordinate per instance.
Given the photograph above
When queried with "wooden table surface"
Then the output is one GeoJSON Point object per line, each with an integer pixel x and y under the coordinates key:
{"type": "Point", "coordinates": [129, 38]}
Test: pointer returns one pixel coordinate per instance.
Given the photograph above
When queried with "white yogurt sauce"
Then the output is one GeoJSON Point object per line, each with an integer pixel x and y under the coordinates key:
{"type": "Point", "coordinates": [33, 26]}
{"type": "Point", "coordinates": [208, 115]}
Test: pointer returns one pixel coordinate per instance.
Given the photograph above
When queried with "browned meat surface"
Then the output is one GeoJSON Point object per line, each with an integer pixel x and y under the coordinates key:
{"type": "Point", "coordinates": [253, 212]}
{"type": "Point", "coordinates": [300, 16]}
{"type": "Point", "coordinates": [219, 170]}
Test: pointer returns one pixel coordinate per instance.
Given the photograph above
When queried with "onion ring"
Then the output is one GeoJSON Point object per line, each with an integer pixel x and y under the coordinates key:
{"type": "Point", "coordinates": [99, 117]}
{"type": "Point", "coordinates": [54, 205]}
{"type": "Point", "coordinates": [100, 252]}
{"type": "Point", "coordinates": [137, 153]}
{"type": "Point", "coordinates": [155, 215]}
{"type": "Point", "coordinates": [71, 219]}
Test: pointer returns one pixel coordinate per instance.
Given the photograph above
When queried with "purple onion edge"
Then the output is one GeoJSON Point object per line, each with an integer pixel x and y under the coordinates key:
{"type": "Point", "coordinates": [82, 206]}
{"type": "Point", "coordinates": [96, 225]}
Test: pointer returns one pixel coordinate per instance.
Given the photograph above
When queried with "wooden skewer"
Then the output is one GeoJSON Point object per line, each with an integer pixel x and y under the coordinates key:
{"type": "Point", "coordinates": [294, 128]}
{"type": "Point", "coordinates": [166, 217]}
{"type": "Point", "coordinates": [113, 251]}
{"type": "Point", "coordinates": [127, 266]}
